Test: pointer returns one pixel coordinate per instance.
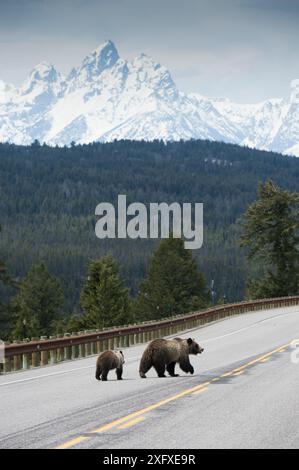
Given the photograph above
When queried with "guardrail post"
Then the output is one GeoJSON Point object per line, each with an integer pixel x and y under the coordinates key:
{"type": "Point", "coordinates": [44, 358]}
{"type": "Point", "coordinates": [67, 354]}
{"type": "Point", "coordinates": [60, 354]}
{"type": "Point", "coordinates": [44, 355]}
{"type": "Point", "coordinates": [17, 359]}
{"type": "Point", "coordinates": [82, 350]}
{"type": "Point", "coordinates": [88, 349]}
{"type": "Point", "coordinates": [105, 345]}
{"type": "Point", "coordinates": [74, 351]}
{"type": "Point", "coordinates": [53, 353]}
{"type": "Point", "coordinates": [93, 348]}
{"type": "Point", "coordinates": [25, 361]}
{"type": "Point", "coordinates": [7, 365]}
{"type": "Point", "coordinates": [74, 348]}
{"type": "Point", "coordinates": [53, 356]}
{"type": "Point", "coordinates": [59, 351]}
{"type": "Point", "coordinates": [116, 341]}
{"type": "Point", "coordinates": [35, 356]}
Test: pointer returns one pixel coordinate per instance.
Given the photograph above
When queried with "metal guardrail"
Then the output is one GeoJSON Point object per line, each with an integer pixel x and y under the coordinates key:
{"type": "Point", "coordinates": [27, 354]}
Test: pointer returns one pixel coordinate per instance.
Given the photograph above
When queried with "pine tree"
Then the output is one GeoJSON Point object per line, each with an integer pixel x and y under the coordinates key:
{"type": "Point", "coordinates": [38, 303]}
{"type": "Point", "coordinates": [173, 285]}
{"type": "Point", "coordinates": [103, 298]}
{"type": "Point", "coordinates": [5, 311]}
{"type": "Point", "coordinates": [271, 233]}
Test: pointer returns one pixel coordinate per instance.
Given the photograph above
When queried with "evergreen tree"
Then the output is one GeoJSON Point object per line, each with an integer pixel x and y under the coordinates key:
{"type": "Point", "coordinates": [37, 304]}
{"type": "Point", "coordinates": [173, 285]}
{"type": "Point", "coordinates": [5, 311]}
{"type": "Point", "coordinates": [271, 233]}
{"type": "Point", "coordinates": [103, 298]}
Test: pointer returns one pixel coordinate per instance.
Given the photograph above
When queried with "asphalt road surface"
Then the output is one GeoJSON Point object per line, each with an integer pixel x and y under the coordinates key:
{"type": "Point", "coordinates": [244, 394]}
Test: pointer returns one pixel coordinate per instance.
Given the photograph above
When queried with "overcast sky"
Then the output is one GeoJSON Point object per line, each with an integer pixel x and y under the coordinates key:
{"type": "Point", "coordinates": [246, 50]}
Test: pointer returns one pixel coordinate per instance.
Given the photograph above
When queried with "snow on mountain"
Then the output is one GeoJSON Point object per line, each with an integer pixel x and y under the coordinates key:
{"type": "Point", "coordinates": [109, 98]}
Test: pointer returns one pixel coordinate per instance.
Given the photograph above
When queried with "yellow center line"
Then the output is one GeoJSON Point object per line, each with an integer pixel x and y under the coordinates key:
{"type": "Point", "coordinates": [193, 390]}
{"type": "Point", "coordinates": [72, 443]}
{"type": "Point", "coordinates": [239, 373]}
{"type": "Point", "coordinates": [149, 408]}
{"type": "Point", "coordinates": [265, 360]}
{"type": "Point", "coordinates": [227, 374]}
{"type": "Point", "coordinates": [131, 423]}
{"type": "Point", "coordinates": [119, 421]}
{"type": "Point", "coordinates": [259, 359]}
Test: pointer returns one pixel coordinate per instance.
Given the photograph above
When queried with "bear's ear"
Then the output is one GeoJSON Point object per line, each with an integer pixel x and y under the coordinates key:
{"type": "Point", "coordinates": [189, 341]}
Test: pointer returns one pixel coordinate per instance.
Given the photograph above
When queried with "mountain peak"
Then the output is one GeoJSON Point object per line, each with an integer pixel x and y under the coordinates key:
{"type": "Point", "coordinates": [43, 75]}
{"type": "Point", "coordinates": [105, 47]}
{"type": "Point", "coordinates": [103, 57]}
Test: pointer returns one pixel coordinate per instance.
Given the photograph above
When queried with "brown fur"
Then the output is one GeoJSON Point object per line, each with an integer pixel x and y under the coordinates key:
{"type": "Point", "coordinates": [165, 353]}
{"type": "Point", "coordinates": [107, 361]}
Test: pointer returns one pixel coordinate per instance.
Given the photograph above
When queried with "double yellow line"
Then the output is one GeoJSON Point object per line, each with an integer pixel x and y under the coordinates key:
{"type": "Point", "coordinates": [136, 417]}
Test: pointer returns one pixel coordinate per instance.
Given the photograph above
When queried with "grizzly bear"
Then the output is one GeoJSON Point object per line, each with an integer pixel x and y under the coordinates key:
{"type": "Point", "coordinates": [107, 361]}
{"type": "Point", "coordinates": [165, 353]}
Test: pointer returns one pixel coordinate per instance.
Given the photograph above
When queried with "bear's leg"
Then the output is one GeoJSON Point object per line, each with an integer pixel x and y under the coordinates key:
{"type": "Point", "coordinates": [186, 366]}
{"type": "Point", "coordinates": [159, 363]}
{"type": "Point", "coordinates": [170, 369]}
{"type": "Point", "coordinates": [104, 375]}
{"type": "Point", "coordinates": [159, 366]}
{"type": "Point", "coordinates": [145, 365]}
{"type": "Point", "coordinates": [98, 373]}
{"type": "Point", "coordinates": [160, 369]}
{"type": "Point", "coordinates": [119, 373]}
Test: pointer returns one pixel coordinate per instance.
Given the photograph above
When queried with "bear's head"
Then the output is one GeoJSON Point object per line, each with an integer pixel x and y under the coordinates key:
{"type": "Point", "coordinates": [194, 347]}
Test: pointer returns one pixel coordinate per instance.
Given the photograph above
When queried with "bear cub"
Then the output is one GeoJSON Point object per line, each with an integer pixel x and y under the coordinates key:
{"type": "Point", "coordinates": [109, 360]}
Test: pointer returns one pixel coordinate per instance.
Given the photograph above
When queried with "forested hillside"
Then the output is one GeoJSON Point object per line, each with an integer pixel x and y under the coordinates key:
{"type": "Point", "coordinates": [48, 198]}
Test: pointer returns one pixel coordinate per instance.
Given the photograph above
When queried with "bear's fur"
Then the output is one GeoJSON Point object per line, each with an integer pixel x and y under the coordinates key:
{"type": "Point", "coordinates": [107, 361]}
{"type": "Point", "coordinates": [165, 353]}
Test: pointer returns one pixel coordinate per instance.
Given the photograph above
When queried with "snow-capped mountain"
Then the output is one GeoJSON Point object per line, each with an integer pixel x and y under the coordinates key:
{"type": "Point", "coordinates": [109, 98]}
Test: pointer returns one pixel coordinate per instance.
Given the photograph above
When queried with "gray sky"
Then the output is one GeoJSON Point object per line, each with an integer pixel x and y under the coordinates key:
{"type": "Point", "coordinates": [246, 50]}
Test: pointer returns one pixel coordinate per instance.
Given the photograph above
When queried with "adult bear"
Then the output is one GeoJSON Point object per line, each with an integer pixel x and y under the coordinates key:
{"type": "Point", "coordinates": [107, 361]}
{"type": "Point", "coordinates": [165, 353]}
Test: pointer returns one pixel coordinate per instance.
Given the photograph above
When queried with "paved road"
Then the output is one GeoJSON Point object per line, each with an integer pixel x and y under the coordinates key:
{"type": "Point", "coordinates": [244, 394]}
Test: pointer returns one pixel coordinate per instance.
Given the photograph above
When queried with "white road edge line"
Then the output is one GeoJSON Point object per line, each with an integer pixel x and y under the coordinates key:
{"type": "Point", "coordinates": [248, 327]}
{"type": "Point", "coordinates": [54, 373]}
